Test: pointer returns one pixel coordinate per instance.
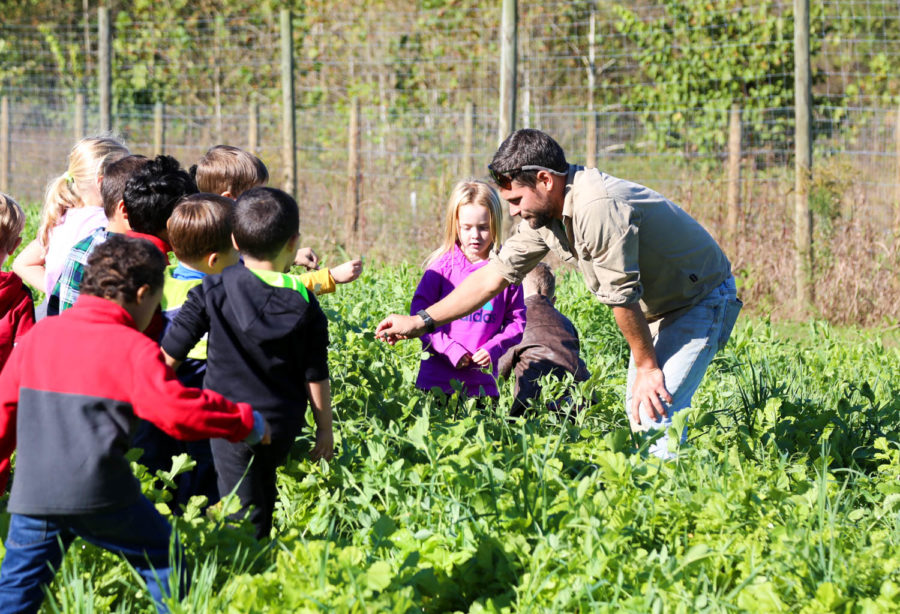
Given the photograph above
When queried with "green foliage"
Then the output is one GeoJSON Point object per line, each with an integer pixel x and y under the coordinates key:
{"type": "Point", "coordinates": [785, 497]}
{"type": "Point", "coordinates": [697, 61]}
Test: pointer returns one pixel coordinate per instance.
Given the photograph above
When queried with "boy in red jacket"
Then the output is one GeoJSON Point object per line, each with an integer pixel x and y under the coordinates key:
{"type": "Point", "coordinates": [70, 394]}
{"type": "Point", "coordinates": [16, 304]}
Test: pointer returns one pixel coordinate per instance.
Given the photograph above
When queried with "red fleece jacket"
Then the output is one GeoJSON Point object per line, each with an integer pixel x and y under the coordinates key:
{"type": "Point", "coordinates": [69, 394]}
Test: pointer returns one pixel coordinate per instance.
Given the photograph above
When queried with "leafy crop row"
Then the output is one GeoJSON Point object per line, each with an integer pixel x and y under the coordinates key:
{"type": "Point", "coordinates": [786, 496]}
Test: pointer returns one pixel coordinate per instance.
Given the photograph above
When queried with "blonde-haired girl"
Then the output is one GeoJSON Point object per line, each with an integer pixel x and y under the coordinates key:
{"type": "Point", "coordinates": [72, 210]}
{"type": "Point", "coordinates": [468, 349]}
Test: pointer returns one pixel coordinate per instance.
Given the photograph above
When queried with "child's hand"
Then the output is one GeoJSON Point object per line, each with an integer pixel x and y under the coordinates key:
{"type": "Point", "coordinates": [267, 435]}
{"type": "Point", "coordinates": [482, 358]}
{"type": "Point", "coordinates": [465, 361]}
{"type": "Point", "coordinates": [324, 447]}
{"type": "Point", "coordinates": [306, 257]}
{"type": "Point", "coordinates": [347, 272]}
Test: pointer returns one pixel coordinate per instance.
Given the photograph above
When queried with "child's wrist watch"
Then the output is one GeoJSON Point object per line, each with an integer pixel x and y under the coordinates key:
{"type": "Point", "coordinates": [427, 319]}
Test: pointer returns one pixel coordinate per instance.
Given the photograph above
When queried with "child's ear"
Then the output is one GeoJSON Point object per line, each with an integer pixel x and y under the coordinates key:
{"type": "Point", "coordinates": [212, 259]}
{"type": "Point", "coordinates": [142, 294]}
{"type": "Point", "coordinates": [121, 210]}
{"type": "Point", "coordinates": [233, 242]}
{"type": "Point", "coordinates": [228, 194]}
{"type": "Point", "coordinates": [553, 300]}
{"type": "Point", "coordinates": [16, 245]}
{"type": "Point", "coordinates": [292, 243]}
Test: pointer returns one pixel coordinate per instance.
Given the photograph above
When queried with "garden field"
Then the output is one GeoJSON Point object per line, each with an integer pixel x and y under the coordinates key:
{"type": "Point", "coordinates": [785, 498]}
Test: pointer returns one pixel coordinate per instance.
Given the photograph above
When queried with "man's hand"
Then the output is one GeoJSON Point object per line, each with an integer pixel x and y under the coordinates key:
{"type": "Point", "coordinates": [347, 272]}
{"type": "Point", "coordinates": [482, 358]}
{"type": "Point", "coordinates": [648, 388]}
{"type": "Point", "coordinates": [306, 257]}
{"type": "Point", "coordinates": [397, 327]}
{"type": "Point", "coordinates": [324, 447]}
{"type": "Point", "coordinates": [649, 385]}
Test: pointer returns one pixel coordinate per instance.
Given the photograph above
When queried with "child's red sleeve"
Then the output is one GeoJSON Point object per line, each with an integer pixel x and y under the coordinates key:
{"type": "Point", "coordinates": [24, 317]}
{"type": "Point", "coordinates": [183, 413]}
{"type": "Point", "coordinates": [9, 405]}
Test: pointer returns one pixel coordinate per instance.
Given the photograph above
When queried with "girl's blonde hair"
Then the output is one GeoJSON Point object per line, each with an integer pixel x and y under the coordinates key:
{"type": "Point", "coordinates": [87, 160]}
{"type": "Point", "coordinates": [469, 192]}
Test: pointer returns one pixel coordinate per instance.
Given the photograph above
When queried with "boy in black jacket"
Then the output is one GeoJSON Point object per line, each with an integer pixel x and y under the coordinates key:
{"type": "Point", "coordinates": [267, 343]}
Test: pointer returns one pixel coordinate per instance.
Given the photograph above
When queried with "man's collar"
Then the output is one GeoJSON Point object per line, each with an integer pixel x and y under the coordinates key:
{"type": "Point", "coordinates": [570, 179]}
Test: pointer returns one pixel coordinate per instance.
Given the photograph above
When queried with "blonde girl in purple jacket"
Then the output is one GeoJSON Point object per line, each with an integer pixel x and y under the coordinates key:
{"type": "Point", "coordinates": [468, 349]}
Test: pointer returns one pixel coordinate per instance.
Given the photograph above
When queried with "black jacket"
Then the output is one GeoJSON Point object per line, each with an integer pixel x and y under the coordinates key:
{"type": "Point", "coordinates": [265, 343]}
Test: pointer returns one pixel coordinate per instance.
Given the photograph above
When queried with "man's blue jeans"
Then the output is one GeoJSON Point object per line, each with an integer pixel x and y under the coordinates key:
{"type": "Point", "coordinates": [684, 349]}
{"type": "Point", "coordinates": [36, 544]}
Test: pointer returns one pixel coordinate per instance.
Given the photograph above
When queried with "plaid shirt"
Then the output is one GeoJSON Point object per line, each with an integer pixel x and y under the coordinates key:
{"type": "Point", "coordinates": [68, 287]}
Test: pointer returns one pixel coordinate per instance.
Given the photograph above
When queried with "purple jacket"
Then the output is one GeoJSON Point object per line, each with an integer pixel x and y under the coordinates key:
{"type": "Point", "coordinates": [496, 327]}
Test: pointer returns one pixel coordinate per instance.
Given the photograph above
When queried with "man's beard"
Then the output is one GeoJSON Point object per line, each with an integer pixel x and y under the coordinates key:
{"type": "Point", "coordinates": [539, 220]}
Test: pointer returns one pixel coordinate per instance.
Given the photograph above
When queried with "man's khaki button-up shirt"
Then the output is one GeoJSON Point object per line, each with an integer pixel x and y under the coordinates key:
{"type": "Point", "coordinates": [629, 242]}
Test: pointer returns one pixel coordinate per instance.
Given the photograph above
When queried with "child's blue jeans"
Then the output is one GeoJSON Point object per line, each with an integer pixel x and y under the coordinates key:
{"type": "Point", "coordinates": [35, 546]}
{"type": "Point", "coordinates": [684, 349]}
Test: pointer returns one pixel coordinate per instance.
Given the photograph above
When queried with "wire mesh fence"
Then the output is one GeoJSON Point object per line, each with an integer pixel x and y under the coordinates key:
{"type": "Point", "coordinates": [644, 88]}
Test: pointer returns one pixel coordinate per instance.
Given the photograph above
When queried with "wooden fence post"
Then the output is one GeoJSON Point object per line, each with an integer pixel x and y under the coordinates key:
{"type": "Point", "coordinates": [353, 176]}
{"type": "Point", "coordinates": [591, 132]}
{"type": "Point", "coordinates": [897, 178]}
{"type": "Point", "coordinates": [803, 155]}
{"type": "Point", "coordinates": [288, 127]}
{"type": "Point", "coordinates": [80, 114]}
{"type": "Point", "coordinates": [105, 68]}
{"type": "Point", "coordinates": [468, 139]}
{"type": "Point", "coordinates": [159, 129]}
{"type": "Point", "coordinates": [734, 174]}
{"type": "Point", "coordinates": [5, 136]}
{"type": "Point", "coordinates": [508, 38]}
{"type": "Point", "coordinates": [253, 128]}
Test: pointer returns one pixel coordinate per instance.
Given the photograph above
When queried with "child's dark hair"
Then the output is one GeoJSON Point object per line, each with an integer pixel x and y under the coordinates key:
{"type": "Point", "coordinates": [153, 191]}
{"type": "Point", "coordinates": [264, 221]}
{"type": "Point", "coordinates": [225, 168]}
{"type": "Point", "coordinates": [112, 188]}
{"type": "Point", "coordinates": [200, 225]}
{"type": "Point", "coordinates": [119, 266]}
{"type": "Point", "coordinates": [541, 280]}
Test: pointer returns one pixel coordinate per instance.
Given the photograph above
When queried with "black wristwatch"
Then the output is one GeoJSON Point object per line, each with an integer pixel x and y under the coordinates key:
{"type": "Point", "coordinates": [429, 321]}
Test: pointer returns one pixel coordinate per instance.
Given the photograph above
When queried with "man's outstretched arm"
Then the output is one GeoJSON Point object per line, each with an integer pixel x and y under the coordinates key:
{"type": "Point", "coordinates": [475, 290]}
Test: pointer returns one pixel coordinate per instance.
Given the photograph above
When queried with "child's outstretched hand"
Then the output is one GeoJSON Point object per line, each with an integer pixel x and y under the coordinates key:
{"type": "Point", "coordinates": [306, 257]}
{"type": "Point", "coordinates": [347, 272]}
{"type": "Point", "coordinates": [482, 358]}
{"type": "Point", "coordinates": [324, 447]}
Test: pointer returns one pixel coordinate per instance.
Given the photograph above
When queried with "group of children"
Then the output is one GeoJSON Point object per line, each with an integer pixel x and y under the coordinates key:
{"type": "Point", "coordinates": [253, 336]}
{"type": "Point", "coordinates": [217, 354]}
